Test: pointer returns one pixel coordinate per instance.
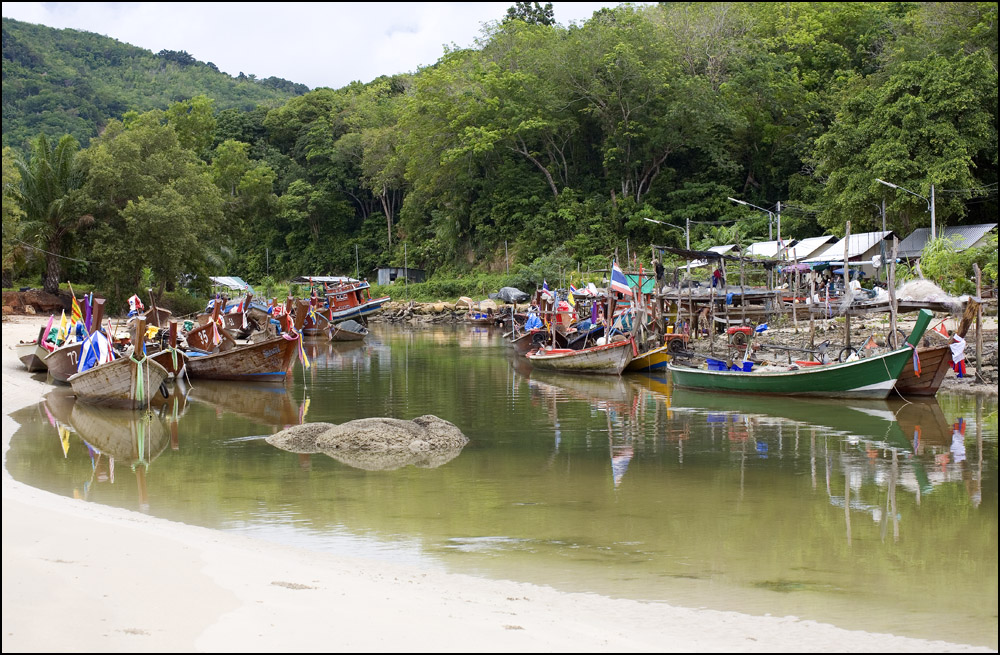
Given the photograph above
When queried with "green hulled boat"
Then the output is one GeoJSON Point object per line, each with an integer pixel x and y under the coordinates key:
{"type": "Point", "coordinates": [872, 377]}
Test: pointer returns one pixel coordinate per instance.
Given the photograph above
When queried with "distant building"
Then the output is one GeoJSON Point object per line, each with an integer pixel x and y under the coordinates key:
{"type": "Point", "coordinates": [861, 251]}
{"type": "Point", "coordinates": [805, 248]}
{"type": "Point", "coordinates": [961, 236]}
{"type": "Point", "coordinates": [322, 279]}
{"type": "Point", "coordinates": [389, 274]}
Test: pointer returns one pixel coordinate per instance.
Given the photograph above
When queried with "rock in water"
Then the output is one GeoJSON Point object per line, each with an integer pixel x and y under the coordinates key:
{"type": "Point", "coordinates": [300, 438]}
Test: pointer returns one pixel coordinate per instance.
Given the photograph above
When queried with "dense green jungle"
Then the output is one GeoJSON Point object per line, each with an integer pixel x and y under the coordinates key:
{"type": "Point", "coordinates": [539, 150]}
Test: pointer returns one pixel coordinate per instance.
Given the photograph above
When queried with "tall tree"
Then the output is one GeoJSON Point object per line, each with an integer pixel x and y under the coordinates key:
{"type": "Point", "coordinates": [12, 214]}
{"type": "Point", "coordinates": [48, 192]}
{"type": "Point", "coordinates": [533, 13]}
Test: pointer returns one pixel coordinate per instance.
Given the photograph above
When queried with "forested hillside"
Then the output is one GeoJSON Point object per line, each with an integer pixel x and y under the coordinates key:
{"type": "Point", "coordinates": [543, 145]}
{"type": "Point", "coordinates": [71, 82]}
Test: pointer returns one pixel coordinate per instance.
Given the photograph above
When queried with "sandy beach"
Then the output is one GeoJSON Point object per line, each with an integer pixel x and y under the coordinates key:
{"type": "Point", "coordinates": [78, 576]}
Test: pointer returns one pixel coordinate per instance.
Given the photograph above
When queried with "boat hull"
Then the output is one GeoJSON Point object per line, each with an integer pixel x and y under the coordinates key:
{"type": "Point", "coordinates": [32, 356]}
{"type": "Point", "coordinates": [340, 334]}
{"type": "Point", "coordinates": [609, 359]}
{"type": "Point", "coordinates": [62, 362]}
{"type": "Point", "coordinates": [364, 309]}
{"type": "Point", "coordinates": [172, 360]}
{"type": "Point", "coordinates": [934, 365]}
{"type": "Point", "coordinates": [871, 378]}
{"type": "Point", "coordinates": [651, 360]}
{"type": "Point", "coordinates": [115, 384]}
{"type": "Point", "coordinates": [267, 361]}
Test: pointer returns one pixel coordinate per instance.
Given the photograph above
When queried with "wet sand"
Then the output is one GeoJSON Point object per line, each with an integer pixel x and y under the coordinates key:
{"type": "Point", "coordinates": [78, 576]}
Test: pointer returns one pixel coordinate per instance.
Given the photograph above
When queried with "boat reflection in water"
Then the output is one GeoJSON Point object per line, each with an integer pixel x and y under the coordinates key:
{"type": "Point", "coordinates": [270, 405]}
{"type": "Point", "coordinates": [118, 436]}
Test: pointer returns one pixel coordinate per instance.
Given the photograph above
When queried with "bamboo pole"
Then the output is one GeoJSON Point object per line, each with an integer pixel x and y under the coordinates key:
{"type": "Point", "coordinates": [892, 286]}
{"type": "Point", "coordinates": [979, 324]}
{"type": "Point", "coordinates": [743, 292]}
{"type": "Point", "coordinates": [795, 296]}
{"type": "Point", "coordinates": [812, 306]}
{"type": "Point", "coordinates": [847, 287]}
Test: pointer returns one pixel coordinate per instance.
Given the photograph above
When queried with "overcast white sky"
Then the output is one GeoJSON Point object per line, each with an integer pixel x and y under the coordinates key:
{"type": "Point", "coordinates": [316, 44]}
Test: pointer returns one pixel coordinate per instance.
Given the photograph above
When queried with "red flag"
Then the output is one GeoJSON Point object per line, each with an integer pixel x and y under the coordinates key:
{"type": "Point", "coordinates": [942, 330]}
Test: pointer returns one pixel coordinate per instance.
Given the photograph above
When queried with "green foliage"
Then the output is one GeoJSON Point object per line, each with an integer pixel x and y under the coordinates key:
{"type": "Point", "coordinates": [952, 270]}
{"type": "Point", "coordinates": [71, 82]}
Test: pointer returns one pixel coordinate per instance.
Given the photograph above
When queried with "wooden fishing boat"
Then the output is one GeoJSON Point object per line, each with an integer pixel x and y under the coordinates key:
{"type": "Point", "coordinates": [607, 359]}
{"type": "Point", "coordinates": [935, 361]}
{"type": "Point", "coordinates": [62, 362]}
{"type": "Point", "coordinates": [267, 361]}
{"type": "Point", "coordinates": [352, 300]}
{"type": "Point", "coordinates": [347, 331]}
{"type": "Point", "coordinates": [873, 377]}
{"type": "Point", "coordinates": [170, 356]}
{"type": "Point", "coordinates": [117, 383]}
{"type": "Point", "coordinates": [651, 360]}
{"type": "Point", "coordinates": [656, 359]}
{"type": "Point", "coordinates": [32, 355]}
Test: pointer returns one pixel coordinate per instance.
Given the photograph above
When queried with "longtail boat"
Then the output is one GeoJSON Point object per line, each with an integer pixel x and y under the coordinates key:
{"type": "Point", "coordinates": [170, 356]}
{"type": "Point", "coordinates": [873, 377]}
{"type": "Point", "coordinates": [63, 361]}
{"type": "Point", "coordinates": [607, 359]}
{"type": "Point", "coordinates": [126, 383]}
{"type": "Point", "coordinates": [32, 354]}
{"type": "Point", "coordinates": [935, 361]}
{"type": "Point", "coordinates": [266, 361]}
{"type": "Point", "coordinates": [348, 331]}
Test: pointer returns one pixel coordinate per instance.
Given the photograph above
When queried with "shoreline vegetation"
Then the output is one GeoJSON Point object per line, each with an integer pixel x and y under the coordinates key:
{"type": "Point", "coordinates": [110, 579]}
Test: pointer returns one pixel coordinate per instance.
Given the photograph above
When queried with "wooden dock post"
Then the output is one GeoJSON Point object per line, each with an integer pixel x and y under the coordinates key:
{"type": "Point", "coordinates": [892, 288]}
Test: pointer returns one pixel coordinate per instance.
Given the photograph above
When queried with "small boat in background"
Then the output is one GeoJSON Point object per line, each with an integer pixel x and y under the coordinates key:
{"type": "Point", "coordinates": [606, 359]}
{"type": "Point", "coordinates": [32, 354]}
{"type": "Point", "coordinates": [352, 300]}
{"type": "Point", "coordinates": [347, 331]}
{"type": "Point", "coordinates": [935, 361]}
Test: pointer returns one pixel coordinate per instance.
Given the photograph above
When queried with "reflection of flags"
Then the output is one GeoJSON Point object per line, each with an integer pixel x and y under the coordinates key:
{"type": "Point", "coordinates": [64, 438]}
{"type": "Point", "coordinates": [618, 281]}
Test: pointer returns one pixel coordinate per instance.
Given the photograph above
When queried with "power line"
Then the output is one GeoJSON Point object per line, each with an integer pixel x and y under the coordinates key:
{"type": "Point", "coordinates": [54, 254]}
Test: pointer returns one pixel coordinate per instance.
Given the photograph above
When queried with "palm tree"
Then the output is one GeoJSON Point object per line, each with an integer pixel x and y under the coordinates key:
{"type": "Point", "coordinates": [48, 192]}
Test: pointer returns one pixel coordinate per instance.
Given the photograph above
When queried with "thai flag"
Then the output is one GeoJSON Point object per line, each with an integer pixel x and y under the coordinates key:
{"type": "Point", "coordinates": [545, 285]}
{"type": "Point", "coordinates": [618, 281]}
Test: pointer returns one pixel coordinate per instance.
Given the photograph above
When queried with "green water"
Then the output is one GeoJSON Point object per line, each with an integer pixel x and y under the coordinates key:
{"type": "Point", "coordinates": [867, 515]}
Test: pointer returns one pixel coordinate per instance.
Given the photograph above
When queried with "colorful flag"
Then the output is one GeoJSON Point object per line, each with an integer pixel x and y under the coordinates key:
{"type": "Point", "coordinates": [75, 315]}
{"type": "Point", "coordinates": [63, 328]}
{"type": "Point", "coordinates": [570, 299]}
{"type": "Point", "coordinates": [88, 310]}
{"type": "Point", "coordinates": [618, 281]}
{"type": "Point", "coordinates": [545, 285]}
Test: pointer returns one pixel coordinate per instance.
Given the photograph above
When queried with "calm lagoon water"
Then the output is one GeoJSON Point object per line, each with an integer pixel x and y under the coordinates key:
{"type": "Point", "coordinates": [879, 516]}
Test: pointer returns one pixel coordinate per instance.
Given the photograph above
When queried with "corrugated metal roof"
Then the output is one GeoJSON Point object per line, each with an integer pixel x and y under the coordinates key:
{"type": "Point", "coordinates": [857, 245]}
{"type": "Point", "coordinates": [810, 247]}
{"type": "Point", "coordinates": [963, 236]}
{"type": "Point", "coordinates": [328, 279]}
{"type": "Point", "coordinates": [767, 248]}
